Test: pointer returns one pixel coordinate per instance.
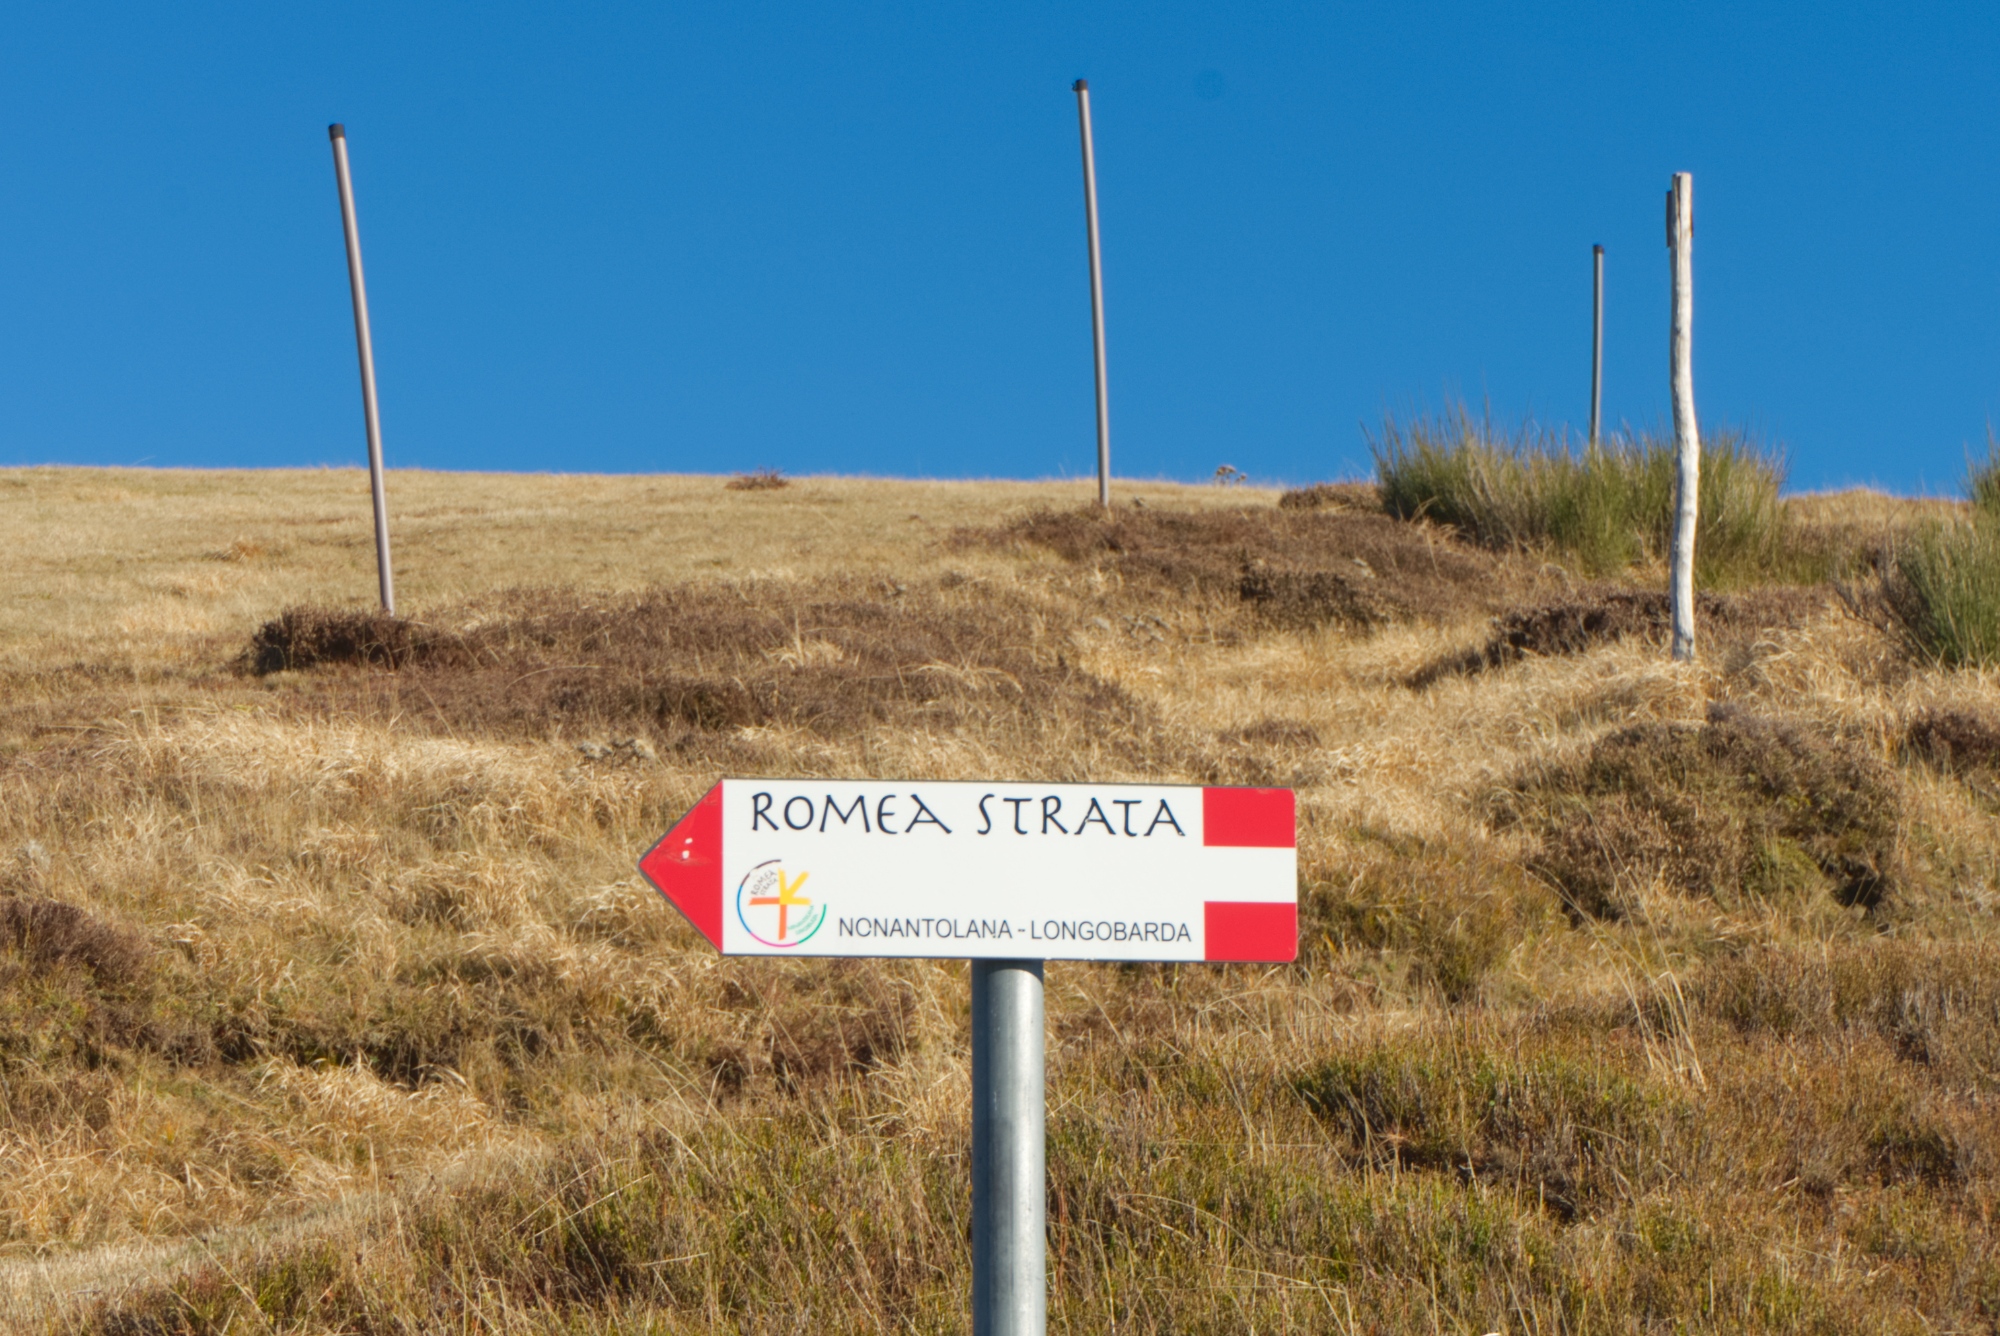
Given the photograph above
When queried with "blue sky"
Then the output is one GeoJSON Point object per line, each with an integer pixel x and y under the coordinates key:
{"type": "Point", "coordinates": [849, 238]}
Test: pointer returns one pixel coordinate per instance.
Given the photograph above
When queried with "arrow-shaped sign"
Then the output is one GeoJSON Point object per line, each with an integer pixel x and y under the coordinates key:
{"type": "Point", "coordinates": [970, 870]}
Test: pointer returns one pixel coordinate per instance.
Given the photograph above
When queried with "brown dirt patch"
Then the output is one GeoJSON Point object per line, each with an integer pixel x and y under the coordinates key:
{"type": "Point", "coordinates": [1582, 622]}
{"type": "Point", "coordinates": [835, 659]}
{"type": "Point", "coordinates": [1739, 807]}
{"type": "Point", "coordinates": [1295, 566]}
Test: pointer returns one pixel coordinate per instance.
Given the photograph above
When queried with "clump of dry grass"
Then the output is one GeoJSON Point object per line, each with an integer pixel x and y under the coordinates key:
{"type": "Point", "coordinates": [1361, 496]}
{"type": "Point", "coordinates": [1300, 566]}
{"type": "Point", "coordinates": [1449, 915]}
{"type": "Point", "coordinates": [1579, 623]}
{"type": "Point", "coordinates": [48, 935]}
{"type": "Point", "coordinates": [1742, 806]}
{"type": "Point", "coordinates": [1939, 1006]}
{"type": "Point", "coordinates": [309, 637]}
{"type": "Point", "coordinates": [759, 480]}
{"type": "Point", "coordinates": [1956, 741]}
{"type": "Point", "coordinates": [696, 662]}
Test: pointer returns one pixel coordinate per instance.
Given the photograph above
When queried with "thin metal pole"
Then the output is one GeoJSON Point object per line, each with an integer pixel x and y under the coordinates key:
{"type": "Point", "coordinates": [1082, 90]}
{"type": "Point", "coordinates": [1687, 437]}
{"type": "Point", "coordinates": [1010, 1290]}
{"type": "Point", "coordinates": [366, 349]}
{"type": "Point", "coordinates": [1596, 341]}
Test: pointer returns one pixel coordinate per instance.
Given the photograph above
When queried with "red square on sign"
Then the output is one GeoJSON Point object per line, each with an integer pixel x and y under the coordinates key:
{"type": "Point", "coordinates": [1250, 930]}
{"type": "Point", "coordinates": [1249, 818]}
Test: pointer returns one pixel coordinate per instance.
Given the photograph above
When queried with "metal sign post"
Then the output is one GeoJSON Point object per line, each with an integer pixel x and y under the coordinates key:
{"type": "Point", "coordinates": [1082, 90]}
{"type": "Point", "coordinates": [366, 350]}
{"type": "Point", "coordinates": [1596, 341]}
{"type": "Point", "coordinates": [1010, 1288]}
{"type": "Point", "coordinates": [1007, 875]}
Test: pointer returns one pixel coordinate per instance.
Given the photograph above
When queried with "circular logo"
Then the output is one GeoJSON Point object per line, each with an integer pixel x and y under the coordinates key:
{"type": "Point", "coordinates": [772, 909]}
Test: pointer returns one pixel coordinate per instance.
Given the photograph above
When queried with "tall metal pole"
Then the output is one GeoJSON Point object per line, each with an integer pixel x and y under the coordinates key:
{"type": "Point", "coordinates": [1596, 341]}
{"type": "Point", "coordinates": [1010, 1290]}
{"type": "Point", "coordinates": [366, 349]}
{"type": "Point", "coordinates": [1082, 90]}
{"type": "Point", "coordinates": [1687, 437]}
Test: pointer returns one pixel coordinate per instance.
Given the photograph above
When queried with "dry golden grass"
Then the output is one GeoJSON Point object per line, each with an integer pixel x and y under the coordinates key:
{"type": "Point", "coordinates": [366, 1024]}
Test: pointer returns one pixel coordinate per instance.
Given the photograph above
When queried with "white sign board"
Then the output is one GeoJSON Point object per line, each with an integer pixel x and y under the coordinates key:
{"type": "Point", "coordinates": [1009, 871]}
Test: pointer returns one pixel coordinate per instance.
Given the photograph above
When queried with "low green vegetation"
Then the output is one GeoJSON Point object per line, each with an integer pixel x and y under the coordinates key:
{"type": "Point", "coordinates": [1943, 592]}
{"type": "Point", "coordinates": [1604, 507]}
{"type": "Point", "coordinates": [1982, 482]}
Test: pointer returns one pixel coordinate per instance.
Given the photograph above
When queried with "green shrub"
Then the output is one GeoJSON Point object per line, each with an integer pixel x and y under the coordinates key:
{"type": "Point", "coordinates": [1982, 480]}
{"type": "Point", "coordinates": [1605, 507]}
{"type": "Point", "coordinates": [1942, 586]}
{"type": "Point", "coordinates": [1944, 591]}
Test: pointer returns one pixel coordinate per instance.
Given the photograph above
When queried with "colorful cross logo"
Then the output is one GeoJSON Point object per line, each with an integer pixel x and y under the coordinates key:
{"type": "Point", "coordinates": [769, 906]}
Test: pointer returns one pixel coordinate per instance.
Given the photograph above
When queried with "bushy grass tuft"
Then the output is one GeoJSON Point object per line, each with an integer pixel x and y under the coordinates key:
{"type": "Point", "coordinates": [1942, 587]}
{"type": "Point", "coordinates": [1944, 592]}
{"type": "Point", "coordinates": [1605, 507]}
{"type": "Point", "coordinates": [1982, 480]}
{"type": "Point", "coordinates": [1742, 808]}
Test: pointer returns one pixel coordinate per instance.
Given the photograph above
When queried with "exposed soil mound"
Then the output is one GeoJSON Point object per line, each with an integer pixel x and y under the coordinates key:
{"type": "Point", "coordinates": [1957, 742]}
{"type": "Point", "coordinates": [1580, 623]}
{"type": "Point", "coordinates": [837, 659]}
{"type": "Point", "coordinates": [1297, 565]}
{"type": "Point", "coordinates": [1741, 806]}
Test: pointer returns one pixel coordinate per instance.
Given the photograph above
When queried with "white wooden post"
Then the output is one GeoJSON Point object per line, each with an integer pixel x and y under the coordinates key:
{"type": "Point", "coordinates": [1687, 438]}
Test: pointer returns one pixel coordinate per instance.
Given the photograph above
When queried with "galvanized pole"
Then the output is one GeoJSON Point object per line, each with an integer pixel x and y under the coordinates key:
{"type": "Point", "coordinates": [1082, 91]}
{"type": "Point", "coordinates": [1687, 438]}
{"type": "Point", "coordinates": [1596, 341]}
{"type": "Point", "coordinates": [1010, 1291]}
{"type": "Point", "coordinates": [366, 349]}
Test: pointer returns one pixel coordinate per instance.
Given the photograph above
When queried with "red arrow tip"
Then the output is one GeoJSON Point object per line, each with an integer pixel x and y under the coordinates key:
{"type": "Point", "coordinates": [686, 866]}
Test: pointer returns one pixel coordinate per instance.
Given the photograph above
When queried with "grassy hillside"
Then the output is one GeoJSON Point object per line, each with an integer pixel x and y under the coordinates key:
{"type": "Point", "coordinates": [1633, 997]}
